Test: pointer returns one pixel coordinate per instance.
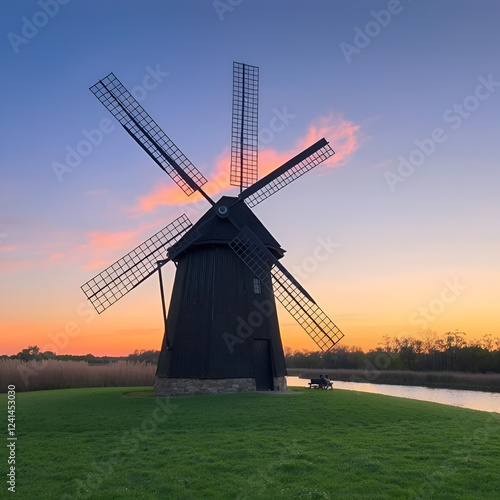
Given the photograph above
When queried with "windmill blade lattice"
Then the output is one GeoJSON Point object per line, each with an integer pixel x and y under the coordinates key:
{"type": "Point", "coordinates": [288, 172]}
{"type": "Point", "coordinates": [244, 130]}
{"type": "Point", "coordinates": [126, 273]}
{"type": "Point", "coordinates": [136, 121]}
{"type": "Point", "coordinates": [286, 289]}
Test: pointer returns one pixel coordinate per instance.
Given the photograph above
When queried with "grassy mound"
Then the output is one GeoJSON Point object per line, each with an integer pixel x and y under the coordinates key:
{"type": "Point", "coordinates": [125, 443]}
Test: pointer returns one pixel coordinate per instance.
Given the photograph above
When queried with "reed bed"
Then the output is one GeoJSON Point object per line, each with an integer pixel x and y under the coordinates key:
{"type": "Point", "coordinates": [55, 374]}
{"type": "Point", "coordinates": [489, 382]}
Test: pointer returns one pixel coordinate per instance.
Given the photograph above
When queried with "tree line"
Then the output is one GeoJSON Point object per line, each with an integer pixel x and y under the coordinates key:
{"type": "Point", "coordinates": [427, 352]}
{"type": "Point", "coordinates": [34, 353]}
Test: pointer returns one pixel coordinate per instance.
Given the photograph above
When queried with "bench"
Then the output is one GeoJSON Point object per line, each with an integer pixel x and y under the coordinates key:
{"type": "Point", "coordinates": [320, 383]}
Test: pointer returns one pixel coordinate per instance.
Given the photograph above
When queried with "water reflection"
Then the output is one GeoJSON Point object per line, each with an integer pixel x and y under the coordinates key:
{"type": "Point", "coordinates": [475, 400]}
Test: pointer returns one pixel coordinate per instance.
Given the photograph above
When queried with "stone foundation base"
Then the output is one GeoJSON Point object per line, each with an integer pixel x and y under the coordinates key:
{"type": "Point", "coordinates": [165, 386]}
{"type": "Point", "coordinates": [280, 384]}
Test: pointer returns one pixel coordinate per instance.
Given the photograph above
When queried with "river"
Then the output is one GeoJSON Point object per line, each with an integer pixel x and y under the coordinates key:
{"type": "Point", "coordinates": [474, 400]}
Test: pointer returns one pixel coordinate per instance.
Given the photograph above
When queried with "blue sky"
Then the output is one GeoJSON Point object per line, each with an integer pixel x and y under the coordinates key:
{"type": "Point", "coordinates": [401, 240]}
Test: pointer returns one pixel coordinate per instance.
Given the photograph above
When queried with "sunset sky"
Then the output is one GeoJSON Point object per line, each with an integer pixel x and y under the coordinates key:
{"type": "Point", "coordinates": [398, 232]}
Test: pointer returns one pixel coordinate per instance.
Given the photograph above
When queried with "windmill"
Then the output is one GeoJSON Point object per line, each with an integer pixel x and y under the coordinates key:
{"type": "Point", "coordinates": [221, 330]}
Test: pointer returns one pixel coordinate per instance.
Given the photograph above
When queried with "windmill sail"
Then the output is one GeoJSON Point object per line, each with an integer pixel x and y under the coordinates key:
{"type": "Point", "coordinates": [244, 130]}
{"type": "Point", "coordinates": [288, 172]}
{"type": "Point", "coordinates": [286, 289]}
{"type": "Point", "coordinates": [136, 121]}
{"type": "Point", "coordinates": [126, 273]}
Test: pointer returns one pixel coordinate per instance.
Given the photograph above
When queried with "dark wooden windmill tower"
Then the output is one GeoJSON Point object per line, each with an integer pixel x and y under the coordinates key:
{"type": "Point", "coordinates": [221, 330]}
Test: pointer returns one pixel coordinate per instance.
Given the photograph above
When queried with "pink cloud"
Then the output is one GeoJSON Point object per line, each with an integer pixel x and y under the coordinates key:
{"type": "Point", "coordinates": [98, 264]}
{"type": "Point", "coordinates": [101, 240]}
{"type": "Point", "coordinates": [171, 194]}
{"type": "Point", "coordinates": [106, 247]}
{"type": "Point", "coordinates": [8, 248]}
{"type": "Point", "coordinates": [102, 243]}
{"type": "Point", "coordinates": [340, 133]}
{"type": "Point", "coordinates": [14, 267]}
{"type": "Point", "coordinates": [28, 256]}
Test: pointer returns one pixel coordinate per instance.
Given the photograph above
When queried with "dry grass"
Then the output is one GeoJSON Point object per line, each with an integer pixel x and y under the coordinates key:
{"type": "Point", "coordinates": [449, 380]}
{"type": "Point", "coordinates": [54, 374]}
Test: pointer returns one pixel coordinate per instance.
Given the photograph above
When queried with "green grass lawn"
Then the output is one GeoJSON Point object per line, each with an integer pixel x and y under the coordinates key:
{"type": "Point", "coordinates": [104, 443]}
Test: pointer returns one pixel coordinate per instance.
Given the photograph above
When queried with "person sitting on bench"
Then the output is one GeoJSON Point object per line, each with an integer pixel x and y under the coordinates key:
{"type": "Point", "coordinates": [325, 381]}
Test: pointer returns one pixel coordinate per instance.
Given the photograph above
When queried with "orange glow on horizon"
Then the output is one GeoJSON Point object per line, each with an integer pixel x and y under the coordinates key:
{"type": "Point", "coordinates": [78, 338]}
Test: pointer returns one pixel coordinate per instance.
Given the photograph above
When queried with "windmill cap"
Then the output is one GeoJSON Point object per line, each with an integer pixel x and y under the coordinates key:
{"type": "Point", "coordinates": [222, 222]}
